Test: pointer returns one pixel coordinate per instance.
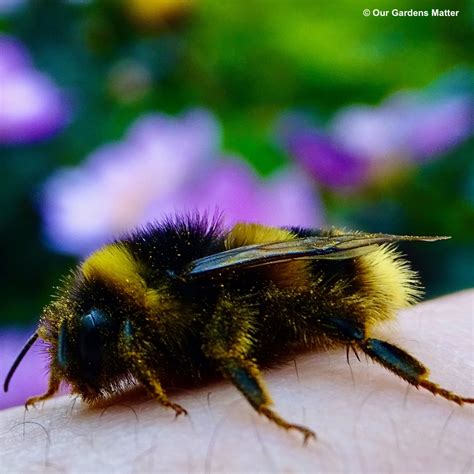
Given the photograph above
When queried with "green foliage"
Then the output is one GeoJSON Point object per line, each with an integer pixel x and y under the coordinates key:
{"type": "Point", "coordinates": [248, 62]}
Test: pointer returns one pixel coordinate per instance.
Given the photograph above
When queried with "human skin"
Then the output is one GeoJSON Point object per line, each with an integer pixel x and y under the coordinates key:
{"type": "Point", "coordinates": [366, 419]}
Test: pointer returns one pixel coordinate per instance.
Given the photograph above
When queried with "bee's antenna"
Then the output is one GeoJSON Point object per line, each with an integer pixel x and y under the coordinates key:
{"type": "Point", "coordinates": [18, 359]}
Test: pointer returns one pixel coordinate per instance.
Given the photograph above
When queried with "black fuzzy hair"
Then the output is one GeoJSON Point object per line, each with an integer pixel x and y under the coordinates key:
{"type": "Point", "coordinates": [176, 241]}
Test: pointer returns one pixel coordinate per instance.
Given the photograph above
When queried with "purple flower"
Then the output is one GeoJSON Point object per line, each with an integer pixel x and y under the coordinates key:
{"type": "Point", "coordinates": [9, 6]}
{"type": "Point", "coordinates": [165, 165]}
{"type": "Point", "coordinates": [13, 57]}
{"type": "Point", "coordinates": [326, 160]}
{"type": "Point", "coordinates": [32, 108]}
{"type": "Point", "coordinates": [438, 127]}
{"type": "Point", "coordinates": [362, 143]}
{"type": "Point", "coordinates": [376, 134]}
{"type": "Point", "coordinates": [408, 125]}
{"type": "Point", "coordinates": [231, 187]}
{"type": "Point", "coordinates": [30, 378]}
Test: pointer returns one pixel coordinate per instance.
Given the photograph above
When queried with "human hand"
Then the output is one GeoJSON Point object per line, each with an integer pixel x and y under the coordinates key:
{"type": "Point", "coordinates": [366, 419]}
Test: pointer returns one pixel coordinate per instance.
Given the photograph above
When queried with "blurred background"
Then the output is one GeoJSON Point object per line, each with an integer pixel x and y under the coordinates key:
{"type": "Point", "coordinates": [115, 113]}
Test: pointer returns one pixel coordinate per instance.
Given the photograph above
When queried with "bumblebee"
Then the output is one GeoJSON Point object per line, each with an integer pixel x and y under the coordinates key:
{"type": "Point", "coordinates": [184, 300]}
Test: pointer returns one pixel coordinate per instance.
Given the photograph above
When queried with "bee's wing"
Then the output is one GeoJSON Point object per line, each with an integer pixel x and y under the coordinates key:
{"type": "Point", "coordinates": [315, 247]}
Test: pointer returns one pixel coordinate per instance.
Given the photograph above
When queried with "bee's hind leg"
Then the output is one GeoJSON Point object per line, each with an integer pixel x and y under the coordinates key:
{"type": "Point", "coordinates": [388, 355]}
{"type": "Point", "coordinates": [228, 342]}
{"type": "Point", "coordinates": [406, 367]}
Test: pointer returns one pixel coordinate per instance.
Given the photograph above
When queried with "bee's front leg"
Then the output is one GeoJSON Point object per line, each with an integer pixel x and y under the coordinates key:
{"type": "Point", "coordinates": [53, 387]}
{"type": "Point", "coordinates": [228, 342]}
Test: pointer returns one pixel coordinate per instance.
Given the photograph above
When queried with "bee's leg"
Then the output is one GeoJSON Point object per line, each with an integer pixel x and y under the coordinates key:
{"type": "Point", "coordinates": [407, 367]}
{"type": "Point", "coordinates": [152, 384]}
{"type": "Point", "coordinates": [228, 341]}
{"type": "Point", "coordinates": [390, 356]}
{"type": "Point", "coordinates": [136, 354]}
{"type": "Point", "coordinates": [246, 376]}
{"type": "Point", "coordinates": [53, 387]}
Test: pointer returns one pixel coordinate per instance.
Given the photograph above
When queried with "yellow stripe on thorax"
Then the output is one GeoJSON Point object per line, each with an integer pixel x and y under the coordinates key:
{"type": "Point", "coordinates": [114, 264]}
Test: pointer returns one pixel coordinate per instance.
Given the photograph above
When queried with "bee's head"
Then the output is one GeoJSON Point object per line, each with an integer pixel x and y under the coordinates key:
{"type": "Point", "coordinates": [85, 351]}
{"type": "Point", "coordinates": [82, 346]}
{"type": "Point", "coordinates": [87, 326]}
{"type": "Point", "coordinates": [89, 318]}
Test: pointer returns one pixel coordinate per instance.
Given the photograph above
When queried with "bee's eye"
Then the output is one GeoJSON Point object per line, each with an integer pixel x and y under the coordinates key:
{"type": "Point", "coordinates": [91, 341]}
{"type": "Point", "coordinates": [62, 346]}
